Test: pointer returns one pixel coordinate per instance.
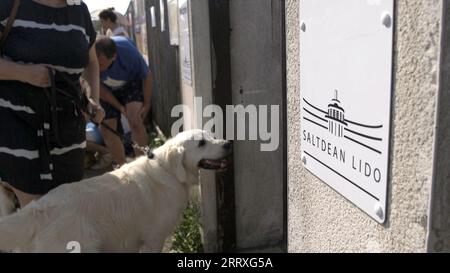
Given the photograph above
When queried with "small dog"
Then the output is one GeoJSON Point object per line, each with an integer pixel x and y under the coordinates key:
{"type": "Point", "coordinates": [132, 209]}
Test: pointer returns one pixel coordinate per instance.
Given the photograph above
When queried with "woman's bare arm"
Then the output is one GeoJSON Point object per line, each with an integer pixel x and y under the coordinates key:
{"type": "Point", "coordinates": [36, 75]}
{"type": "Point", "coordinates": [32, 74]}
{"type": "Point", "coordinates": [92, 75]}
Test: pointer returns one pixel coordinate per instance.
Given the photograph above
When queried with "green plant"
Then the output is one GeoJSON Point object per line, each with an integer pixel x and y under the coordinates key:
{"type": "Point", "coordinates": [155, 141]}
{"type": "Point", "coordinates": [187, 236]}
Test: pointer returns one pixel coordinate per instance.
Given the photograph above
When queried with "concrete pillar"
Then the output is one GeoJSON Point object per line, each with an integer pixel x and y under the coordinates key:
{"type": "Point", "coordinates": [418, 217]}
{"type": "Point", "coordinates": [200, 88]}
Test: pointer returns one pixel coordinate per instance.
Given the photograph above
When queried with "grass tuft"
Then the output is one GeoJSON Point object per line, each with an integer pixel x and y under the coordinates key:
{"type": "Point", "coordinates": [187, 236]}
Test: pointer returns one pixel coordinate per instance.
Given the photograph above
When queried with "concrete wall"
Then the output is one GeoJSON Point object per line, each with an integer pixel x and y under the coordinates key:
{"type": "Point", "coordinates": [256, 79]}
{"type": "Point", "coordinates": [256, 76]}
{"type": "Point", "coordinates": [321, 220]}
{"type": "Point", "coordinates": [439, 225]}
{"type": "Point", "coordinates": [202, 87]}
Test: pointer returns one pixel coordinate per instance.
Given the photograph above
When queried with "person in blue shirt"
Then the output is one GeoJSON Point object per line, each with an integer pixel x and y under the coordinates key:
{"type": "Point", "coordinates": [125, 89]}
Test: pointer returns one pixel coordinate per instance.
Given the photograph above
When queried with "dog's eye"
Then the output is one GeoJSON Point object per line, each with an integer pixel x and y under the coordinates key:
{"type": "Point", "coordinates": [202, 143]}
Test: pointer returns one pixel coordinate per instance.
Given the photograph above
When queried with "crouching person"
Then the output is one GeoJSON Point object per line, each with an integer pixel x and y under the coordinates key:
{"type": "Point", "coordinates": [125, 89]}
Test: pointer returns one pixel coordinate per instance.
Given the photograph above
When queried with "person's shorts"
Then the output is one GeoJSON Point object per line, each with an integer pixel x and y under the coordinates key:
{"type": "Point", "coordinates": [132, 92]}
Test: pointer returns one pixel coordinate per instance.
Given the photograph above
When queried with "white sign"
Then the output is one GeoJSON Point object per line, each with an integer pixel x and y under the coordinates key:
{"type": "Point", "coordinates": [173, 21]}
{"type": "Point", "coordinates": [185, 43]}
{"type": "Point", "coordinates": [346, 51]}
{"type": "Point", "coordinates": [153, 15]}
{"type": "Point", "coordinates": [162, 9]}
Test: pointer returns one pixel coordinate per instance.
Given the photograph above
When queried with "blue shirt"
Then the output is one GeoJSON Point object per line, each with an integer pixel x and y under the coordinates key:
{"type": "Point", "coordinates": [129, 65]}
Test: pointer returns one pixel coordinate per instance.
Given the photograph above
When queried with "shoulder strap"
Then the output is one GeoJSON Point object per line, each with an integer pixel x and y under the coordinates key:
{"type": "Point", "coordinates": [9, 23]}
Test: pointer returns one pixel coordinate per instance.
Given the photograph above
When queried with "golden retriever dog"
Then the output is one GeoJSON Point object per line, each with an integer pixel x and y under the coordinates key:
{"type": "Point", "coordinates": [132, 209]}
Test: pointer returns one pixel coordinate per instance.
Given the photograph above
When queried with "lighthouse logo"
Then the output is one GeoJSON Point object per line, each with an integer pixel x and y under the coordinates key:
{"type": "Point", "coordinates": [336, 117]}
{"type": "Point", "coordinates": [335, 121]}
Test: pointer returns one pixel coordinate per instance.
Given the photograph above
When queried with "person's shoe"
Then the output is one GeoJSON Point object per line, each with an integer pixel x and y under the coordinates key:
{"type": "Point", "coordinates": [104, 163]}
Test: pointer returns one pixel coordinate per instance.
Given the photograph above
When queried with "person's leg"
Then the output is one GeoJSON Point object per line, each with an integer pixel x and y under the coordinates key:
{"type": "Point", "coordinates": [138, 131]}
{"type": "Point", "coordinates": [7, 200]}
{"type": "Point", "coordinates": [113, 142]}
{"type": "Point", "coordinates": [25, 198]}
{"type": "Point", "coordinates": [94, 147]}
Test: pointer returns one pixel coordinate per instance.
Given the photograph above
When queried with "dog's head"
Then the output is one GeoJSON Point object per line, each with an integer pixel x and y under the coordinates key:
{"type": "Point", "coordinates": [191, 151]}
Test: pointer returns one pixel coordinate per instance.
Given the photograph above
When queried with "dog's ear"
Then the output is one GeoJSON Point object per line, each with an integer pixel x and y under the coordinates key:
{"type": "Point", "coordinates": [174, 157]}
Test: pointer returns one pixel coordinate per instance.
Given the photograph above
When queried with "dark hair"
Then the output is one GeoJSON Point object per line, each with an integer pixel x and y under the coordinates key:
{"type": "Point", "coordinates": [106, 46]}
{"type": "Point", "coordinates": [108, 14]}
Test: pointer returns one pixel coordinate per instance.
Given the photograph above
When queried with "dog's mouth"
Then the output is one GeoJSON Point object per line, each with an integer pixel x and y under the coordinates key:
{"type": "Point", "coordinates": [215, 165]}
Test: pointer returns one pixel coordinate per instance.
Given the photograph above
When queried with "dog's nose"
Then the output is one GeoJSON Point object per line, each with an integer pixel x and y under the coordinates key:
{"type": "Point", "coordinates": [150, 155]}
{"type": "Point", "coordinates": [228, 146]}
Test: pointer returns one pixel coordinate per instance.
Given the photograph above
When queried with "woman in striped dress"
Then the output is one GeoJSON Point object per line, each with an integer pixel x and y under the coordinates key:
{"type": "Point", "coordinates": [41, 148]}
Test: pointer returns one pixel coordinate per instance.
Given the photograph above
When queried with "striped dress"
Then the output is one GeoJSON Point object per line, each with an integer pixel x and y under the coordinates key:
{"type": "Point", "coordinates": [32, 159]}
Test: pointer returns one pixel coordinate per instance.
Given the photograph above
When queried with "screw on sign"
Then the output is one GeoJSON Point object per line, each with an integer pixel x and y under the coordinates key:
{"type": "Point", "coordinates": [74, 247]}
